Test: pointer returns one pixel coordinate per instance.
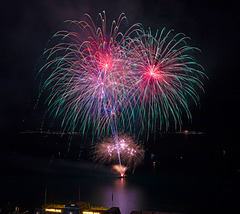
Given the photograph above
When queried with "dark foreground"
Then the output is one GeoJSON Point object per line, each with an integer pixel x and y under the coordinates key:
{"type": "Point", "coordinates": [190, 175]}
{"type": "Point", "coordinates": [25, 182]}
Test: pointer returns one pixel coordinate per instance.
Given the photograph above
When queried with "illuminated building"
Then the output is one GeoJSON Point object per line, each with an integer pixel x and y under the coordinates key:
{"type": "Point", "coordinates": [82, 205]}
{"type": "Point", "coordinates": [79, 207]}
{"type": "Point", "coordinates": [53, 208]}
{"type": "Point", "coordinates": [72, 208]}
{"type": "Point", "coordinates": [93, 210]}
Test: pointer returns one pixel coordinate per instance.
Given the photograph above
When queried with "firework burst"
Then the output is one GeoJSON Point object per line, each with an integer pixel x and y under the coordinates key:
{"type": "Point", "coordinates": [131, 152]}
{"type": "Point", "coordinates": [107, 82]}
{"type": "Point", "coordinates": [120, 169]}
{"type": "Point", "coordinates": [88, 81]}
{"type": "Point", "coordinates": [167, 78]}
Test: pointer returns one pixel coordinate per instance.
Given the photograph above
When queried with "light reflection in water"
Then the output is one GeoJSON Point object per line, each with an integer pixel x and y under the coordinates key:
{"type": "Point", "coordinates": [120, 193]}
{"type": "Point", "coordinates": [126, 197]}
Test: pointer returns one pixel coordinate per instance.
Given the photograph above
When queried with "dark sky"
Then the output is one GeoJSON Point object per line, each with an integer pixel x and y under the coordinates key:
{"type": "Point", "coordinates": [213, 27]}
{"type": "Point", "coordinates": [27, 25]}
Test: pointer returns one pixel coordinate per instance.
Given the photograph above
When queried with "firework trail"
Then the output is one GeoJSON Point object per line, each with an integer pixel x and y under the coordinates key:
{"type": "Point", "coordinates": [131, 152]}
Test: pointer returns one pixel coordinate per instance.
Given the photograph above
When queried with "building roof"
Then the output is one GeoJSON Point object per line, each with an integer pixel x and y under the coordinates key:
{"type": "Point", "coordinates": [113, 210]}
{"type": "Point", "coordinates": [81, 203]}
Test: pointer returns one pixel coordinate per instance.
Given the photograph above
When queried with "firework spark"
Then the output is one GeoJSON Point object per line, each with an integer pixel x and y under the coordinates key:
{"type": "Point", "coordinates": [131, 152]}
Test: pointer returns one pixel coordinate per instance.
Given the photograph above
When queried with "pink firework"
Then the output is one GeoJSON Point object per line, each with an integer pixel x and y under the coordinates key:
{"type": "Point", "coordinates": [120, 169]}
{"type": "Point", "coordinates": [120, 79]}
{"type": "Point", "coordinates": [106, 81]}
{"type": "Point", "coordinates": [89, 80]}
{"type": "Point", "coordinates": [131, 153]}
{"type": "Point", "coordinates": [167, 78]}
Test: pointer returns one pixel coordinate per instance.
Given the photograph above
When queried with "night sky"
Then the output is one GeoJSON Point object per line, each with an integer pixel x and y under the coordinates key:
{"type": "Point", "coordinates": [213, 26]}
{"type": "Point", "coordinates": [26, 26]}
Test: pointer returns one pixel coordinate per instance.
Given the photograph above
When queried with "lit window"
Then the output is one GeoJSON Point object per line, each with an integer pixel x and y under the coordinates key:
{"type": "Point", "coordinates": [90, 212]}
{"type": "Point", "coordinates": [53, 210]}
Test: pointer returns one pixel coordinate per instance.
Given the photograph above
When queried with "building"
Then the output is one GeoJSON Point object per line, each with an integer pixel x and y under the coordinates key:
{"type": "Point", "coordinates": [60, 209]}
{"type": "Point", "coordinates": [80, 207]}
{"type": "Point", "coordinates": [113, 210]}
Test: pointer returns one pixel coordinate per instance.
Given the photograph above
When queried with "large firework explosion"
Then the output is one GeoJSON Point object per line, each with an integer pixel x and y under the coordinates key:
{"type": "Point", "coordinates": [131, 152]}
{"type": "Point", "coordinates": [109, 81]}
{"type": "Point", "coordinates": [89, 71]}
{"type": "Point", "coordinates": [106, 81]}
{"type": "Point", "coordinates": [167, 78]}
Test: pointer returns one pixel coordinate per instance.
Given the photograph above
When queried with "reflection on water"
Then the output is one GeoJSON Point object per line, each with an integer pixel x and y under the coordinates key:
{"type": "Point", "coordinates": [65, 182]}
{"type": "Point", "coordinates": [124, 195]}
{"type": "Point", "coordinates": [155, 191]}
{"type": "Point", "coordinates": [115, 192]}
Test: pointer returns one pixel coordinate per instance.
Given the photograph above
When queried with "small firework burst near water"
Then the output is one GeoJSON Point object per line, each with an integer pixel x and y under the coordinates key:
{"type": "Point", "coordinates": [131, 152]}
{"type": "Point", "coordinates": [120, 169]}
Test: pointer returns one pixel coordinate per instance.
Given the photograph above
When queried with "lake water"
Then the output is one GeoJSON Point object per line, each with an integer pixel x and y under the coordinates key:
{"type": "Point", "coordinates": [193, 174]}
{"type": "Point", "coordinates": [149, 188]}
